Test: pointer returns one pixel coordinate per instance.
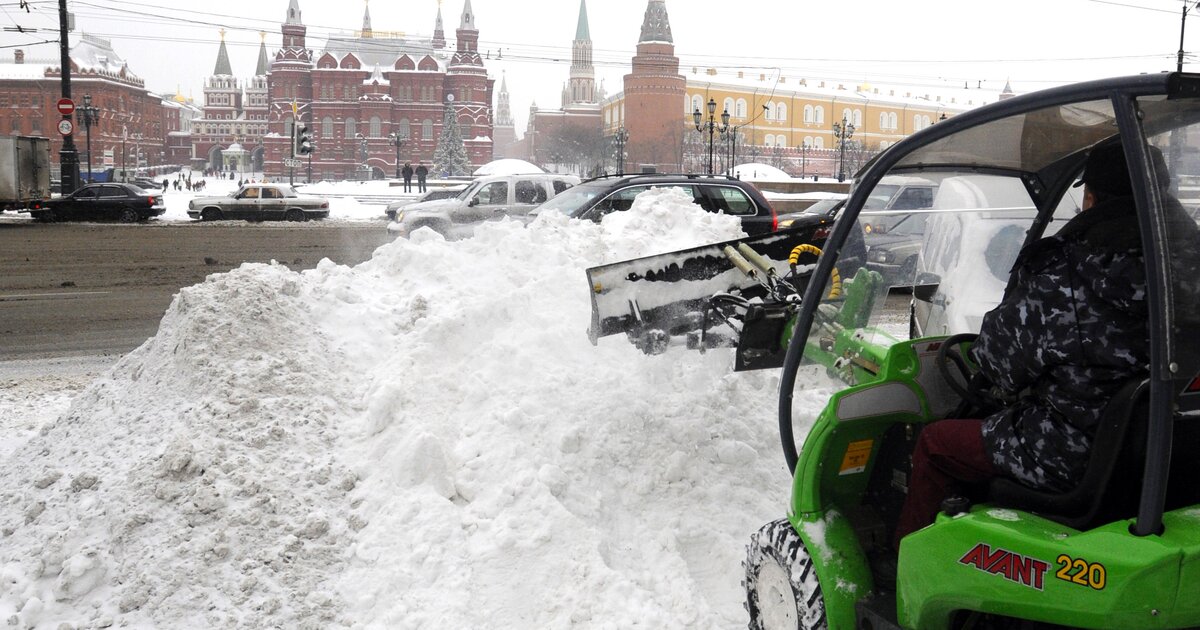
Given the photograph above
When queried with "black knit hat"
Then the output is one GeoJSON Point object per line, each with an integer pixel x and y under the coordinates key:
{"type": "Point", "coordinates": [1106, 170]}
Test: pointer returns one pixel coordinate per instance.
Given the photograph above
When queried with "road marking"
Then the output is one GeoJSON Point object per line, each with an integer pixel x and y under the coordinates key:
{"type": "Point", "coordinates": [49, 296]}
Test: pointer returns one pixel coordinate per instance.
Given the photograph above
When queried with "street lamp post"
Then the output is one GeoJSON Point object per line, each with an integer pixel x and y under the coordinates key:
{"type": "Point", "coordinates": [843, 131]}
{"type": "Point", "coordinates": [732, 135]}
{"type": "Point", "coordinates": [711, 126]}
{"type": "Point", "coordinates": [90, 116]}
{"type": "Point", "coordinates": [803, 160]}
{"type": "Point", "coordinates": [398, 142]}
{"type": "Point", "coordinates": [621, 138]}
{"type": "Point", "coordinates": [124, 153]}
{"type": "Point", "coordinates": [362, 154]}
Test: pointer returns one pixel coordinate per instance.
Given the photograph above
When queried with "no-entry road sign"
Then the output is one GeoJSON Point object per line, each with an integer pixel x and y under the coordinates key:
{"type": "Point", "coordinates": [66, 106]}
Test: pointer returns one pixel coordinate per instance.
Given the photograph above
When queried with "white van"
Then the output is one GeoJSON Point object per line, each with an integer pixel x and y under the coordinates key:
{"type": "Point", "coordinates": [485, 199]}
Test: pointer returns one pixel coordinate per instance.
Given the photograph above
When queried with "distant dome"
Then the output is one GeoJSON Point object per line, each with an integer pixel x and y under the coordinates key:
{"type": "Point", "coordinates": [234, 148]}
{"type": "Point", "coordinates": [755, 171]}
{"type": "Point", "coordinates": [508, 166]}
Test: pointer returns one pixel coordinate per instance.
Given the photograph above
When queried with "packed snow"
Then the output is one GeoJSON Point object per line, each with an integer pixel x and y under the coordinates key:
{"type": "Point", "coordinates": [425, 440]}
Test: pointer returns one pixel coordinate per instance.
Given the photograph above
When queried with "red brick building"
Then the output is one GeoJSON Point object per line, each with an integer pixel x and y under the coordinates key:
{"type": "Point", "coordinates": [361, 92]}
{"type": "Point", "coordinates": [131, 124]}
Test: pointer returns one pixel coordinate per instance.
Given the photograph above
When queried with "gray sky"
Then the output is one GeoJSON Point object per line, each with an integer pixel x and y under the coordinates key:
{"type": "Point", "coordinates": [1033, 43]}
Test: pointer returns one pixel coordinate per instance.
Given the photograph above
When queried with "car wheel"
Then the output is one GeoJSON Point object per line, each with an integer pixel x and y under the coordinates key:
{"type": "Point", "coordinates": [210, 214]}
{"type": "Point", "coordinates": [128, 215]}
{"type": "Point", "coordinates": [294, 215]}
{"type": "Point", "coordinates": [781, 583]}
{"type": "Point", "coordinates": [46, 216]}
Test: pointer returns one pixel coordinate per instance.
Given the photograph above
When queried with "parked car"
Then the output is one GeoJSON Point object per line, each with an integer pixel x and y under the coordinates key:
{"type": "Point", "coordinates": [892, 232]}
{"type": "Point", "coordinates": [146, 183]}
{"type": "Point", "coordinates": [487, 198]}
{"type": "Point", "coordinates": [112, 201]}
{"type": "Point", "coordinates": [854, 253]}
{"type": "Point", "coordinates": [431, 195]}
{"type": "Point", "coordinates": [597, 197]}
{"type": "Point", "coordinates": [260, 202]}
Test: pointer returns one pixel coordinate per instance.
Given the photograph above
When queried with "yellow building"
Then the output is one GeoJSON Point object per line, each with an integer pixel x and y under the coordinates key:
{"type": "Point", "coordinates": [791, 120]}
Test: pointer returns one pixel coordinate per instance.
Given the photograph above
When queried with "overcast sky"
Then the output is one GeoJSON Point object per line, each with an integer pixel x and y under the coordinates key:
{"type": "Point", "coordinates": [1033, 43]}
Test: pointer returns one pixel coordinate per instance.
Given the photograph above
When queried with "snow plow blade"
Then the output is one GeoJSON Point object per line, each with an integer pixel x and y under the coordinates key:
{"type": "Point", "coordinates": [662, 299]}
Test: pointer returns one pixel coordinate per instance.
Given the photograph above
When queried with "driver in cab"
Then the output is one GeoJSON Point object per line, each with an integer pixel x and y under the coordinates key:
{"type": "Point", "coordinates": [1070, 329]}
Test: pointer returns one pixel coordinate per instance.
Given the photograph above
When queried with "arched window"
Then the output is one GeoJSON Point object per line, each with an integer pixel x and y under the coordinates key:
{"type": "Point", "coordinates": [376, 127]}
{"type": "Point", "coordinates": [351, 127]}
{"type": "Point", "coordinates": [808, 114]}
{"type": "Point", "coordinates": [402, 128]}
{"type": "Point", "coordinates": [697, 103]}
{"type": "Point", "coordinates": [847, 115]}
{"type": "Point", "coordinates": [769, 140]}
{"type": "Point", "coordinates": [781, 112]}
{"type": "Point", "coordinates": [781, 141]}
{"type": "Point", "coordinates": [768, 112]}
{"type": "Point", "coordinates": [741, 108]}
{"type": "Point", "coordinates": [820, 115]}
{"type": "Point", "coordinates": [728, 107]}
{"type": "Point", "coordinates": [925, 121]}
{"type": "Point", "coordinates": [883, 120]}
{"type": "Point", "coordinates": [857, 118]}
{"type": "Point", "coordinates": [892, 120]}
{"type": "Point", "coordinates": [608, 116]}
{"type": "Point", "coordinates": [427, 129]}
{"type": "Point", "coordinates": [327, 127]}
{"type": "Point", "coordinates": [916, 122]}
{"type": "Point", "coordinates": [808, 141]}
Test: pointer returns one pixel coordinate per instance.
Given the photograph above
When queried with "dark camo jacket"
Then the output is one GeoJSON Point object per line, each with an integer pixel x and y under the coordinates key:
{"type": "Point", "coordinates": [1071, 329]}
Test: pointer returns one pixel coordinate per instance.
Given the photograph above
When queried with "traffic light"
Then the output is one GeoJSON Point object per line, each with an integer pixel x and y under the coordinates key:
{"type": "Point", "coordinates": [302, 140]}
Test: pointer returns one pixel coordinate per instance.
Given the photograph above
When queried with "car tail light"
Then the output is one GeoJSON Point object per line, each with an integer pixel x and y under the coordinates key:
{"type": "Point", "coordinates": [152, 200]}
{"type": "Point", "coordinates": [821, 233]}
{"type": "Point", "coordinates": [324, 205]}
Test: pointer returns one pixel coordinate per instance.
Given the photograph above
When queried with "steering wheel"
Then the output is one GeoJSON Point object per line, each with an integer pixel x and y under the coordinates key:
{"type": "Point", "coordinates": [975, 391]}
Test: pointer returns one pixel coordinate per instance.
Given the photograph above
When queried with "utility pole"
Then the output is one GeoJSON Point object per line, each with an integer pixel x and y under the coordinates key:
{"type": "Point", "coordinates": [68, 156]}
{"type": "Point", "coordinates": [1182, 26]}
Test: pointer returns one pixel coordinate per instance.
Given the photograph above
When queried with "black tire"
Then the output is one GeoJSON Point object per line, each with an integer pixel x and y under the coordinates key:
{"type": "Point", "coordinates": [294, 215]}
{"type": "Point", "coordinates": [782, 591]}
{"type": "Point", "coordinates": [210, 214]}
{"type": "Point", "coordinates": [46, 216]}
{"type": "Point", "coordinates": [128, 215]}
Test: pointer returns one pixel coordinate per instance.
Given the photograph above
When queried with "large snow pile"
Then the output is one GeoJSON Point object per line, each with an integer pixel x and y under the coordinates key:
{"type": "Point", "coordinates": [426, 440]}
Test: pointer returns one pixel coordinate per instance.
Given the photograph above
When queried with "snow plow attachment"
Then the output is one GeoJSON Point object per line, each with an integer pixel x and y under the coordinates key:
{"type": "Point", "coordinates": [739, 293]}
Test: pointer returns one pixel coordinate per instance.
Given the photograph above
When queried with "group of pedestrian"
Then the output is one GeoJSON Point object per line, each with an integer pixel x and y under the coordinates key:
{"type": "Point", "coordinates": [407, 173]}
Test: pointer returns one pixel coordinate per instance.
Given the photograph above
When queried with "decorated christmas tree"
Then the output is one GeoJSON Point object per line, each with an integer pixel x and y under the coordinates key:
{"type": "Point", "coordinates": [450, 157]}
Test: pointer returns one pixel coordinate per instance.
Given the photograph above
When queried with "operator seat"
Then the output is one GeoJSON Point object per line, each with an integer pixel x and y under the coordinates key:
{"type": "Point", "coordinates": [1119, 443]}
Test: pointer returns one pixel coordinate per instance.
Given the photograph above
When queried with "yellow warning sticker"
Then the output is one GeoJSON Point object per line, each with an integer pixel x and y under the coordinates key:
{"type": "Point", "coordinates": [856, 458]}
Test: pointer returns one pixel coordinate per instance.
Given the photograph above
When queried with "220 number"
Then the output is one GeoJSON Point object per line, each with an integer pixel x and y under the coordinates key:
{"type": "Point", "coordinates": [1082, 572]}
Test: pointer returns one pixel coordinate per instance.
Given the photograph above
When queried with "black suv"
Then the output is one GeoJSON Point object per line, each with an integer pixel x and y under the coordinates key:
{"type": "Point", "coordinates": [597, 197]}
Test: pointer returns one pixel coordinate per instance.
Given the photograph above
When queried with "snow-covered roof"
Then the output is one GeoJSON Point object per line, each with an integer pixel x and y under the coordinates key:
{"type": "Point", "coordinates": [382, 51]}
{"type": "Point", "coordinates": [90, 54]}
{"type": "Point", "coordinates": [508, 166]}
{"type": "Point", "coordinates": [948, 97]}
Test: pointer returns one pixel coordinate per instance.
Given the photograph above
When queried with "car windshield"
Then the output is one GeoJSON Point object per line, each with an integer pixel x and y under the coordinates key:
{"type": "Point", "coordinates": [826, 207]}
{"type": "Point", "coordinates": [468, 191]}
{"type": "Point", "coordinates": [910, 225]}
{"type": "Point", "coordinates": [880, 196]}
{"type": "Point", "coordinates": [574, 201]}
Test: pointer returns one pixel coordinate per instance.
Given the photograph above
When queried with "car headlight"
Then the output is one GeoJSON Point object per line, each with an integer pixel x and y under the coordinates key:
{"type": "Point", "coordinates": [191, 205]}
{"type": "Point", "coordinates": [399, 215]}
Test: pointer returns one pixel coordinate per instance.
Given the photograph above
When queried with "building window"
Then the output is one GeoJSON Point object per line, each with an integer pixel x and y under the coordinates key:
{"type": "Point", "coordinates": [820, 115]}
{"type": "Point", "coordinates": [769, 141]}
{"type": "Point", "coordinates": [808, 141]}
{"type": "Point", "coordinates": [351, 127]}
{"type": "Point", "coordinates": [728, 107]}
{"type": "Point", "coordinates": [327, 127]}
{"type": "Point", "coordinates": [818, 143]}
{"type": "Point", "coordinates": [780, 112]}
{"type": "Point", "coordinates": [781, 141]}
{"type": "Point", "coordinates": [892, 120]}
{"type": "Point", "coordinates": [427, 129]}
{"type": "Point", "coordinates": [376, 127]}
{"type": "Point", "coordinates": [740, 112]}
{"type": "Point", "coordinates": [808, 114]}
{"type": "Point", "coordinates": [402, 128]}
{"type": "Point", "coordinates": [857, 118]}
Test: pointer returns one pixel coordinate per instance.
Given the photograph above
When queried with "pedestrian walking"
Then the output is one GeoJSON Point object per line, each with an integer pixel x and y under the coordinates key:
{"type": "Point", "coordinates": [422, 173]}
{"type": "Point", "coordinates": [407, 172]}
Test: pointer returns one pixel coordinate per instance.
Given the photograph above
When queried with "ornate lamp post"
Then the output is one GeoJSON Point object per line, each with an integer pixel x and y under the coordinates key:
{"type": "Point", "coordinates": [91, 114]}
{"type": "Point", "coordinates": [711, 126]}
{"type": "Point", "coordinates": [397, 141]}
{"type": "Point", "coordinates": [362, 154]}
{"type": "Point", "coordinates": [621, 138]}
{"type": "Point", "coordinates": [843, 131]}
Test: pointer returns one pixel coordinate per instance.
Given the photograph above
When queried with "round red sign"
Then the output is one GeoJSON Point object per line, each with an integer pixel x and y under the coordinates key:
{"type": "Point", "coordinates": [66, 106]}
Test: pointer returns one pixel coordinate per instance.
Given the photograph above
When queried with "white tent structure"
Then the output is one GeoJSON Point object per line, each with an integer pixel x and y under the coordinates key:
{"type": "Point", "coordinates": [756, 171]}
{"type": "Point", "coordinates": [508, 166]}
